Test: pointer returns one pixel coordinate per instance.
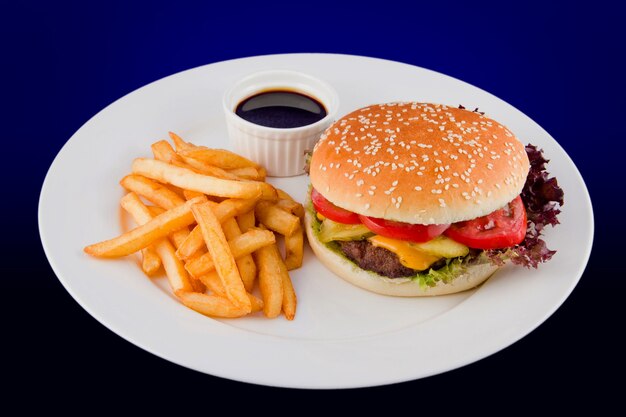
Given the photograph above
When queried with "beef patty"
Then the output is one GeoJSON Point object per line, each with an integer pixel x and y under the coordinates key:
{"type": "Point", "coordinates": [375, 259]}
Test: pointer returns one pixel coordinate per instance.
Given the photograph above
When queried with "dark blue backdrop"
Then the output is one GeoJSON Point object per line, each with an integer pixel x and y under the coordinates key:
{"type": "Point", "coordinates": [560, 63]}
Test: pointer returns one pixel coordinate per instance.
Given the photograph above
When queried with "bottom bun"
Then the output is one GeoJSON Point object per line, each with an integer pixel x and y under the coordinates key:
{"type": "Point", "coordinates": [474, 275]}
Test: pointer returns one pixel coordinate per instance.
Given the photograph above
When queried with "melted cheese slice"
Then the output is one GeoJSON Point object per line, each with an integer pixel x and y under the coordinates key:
{"type": "Point", "coordinates": [410, 257]}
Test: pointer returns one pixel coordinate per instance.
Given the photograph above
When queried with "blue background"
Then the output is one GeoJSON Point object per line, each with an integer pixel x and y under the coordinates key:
{"type": "Point", "coordinates": [560, 63]}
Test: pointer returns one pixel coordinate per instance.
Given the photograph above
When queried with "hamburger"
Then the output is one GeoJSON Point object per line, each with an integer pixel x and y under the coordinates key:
{"type": "Point", "coordinates": [418, 199]}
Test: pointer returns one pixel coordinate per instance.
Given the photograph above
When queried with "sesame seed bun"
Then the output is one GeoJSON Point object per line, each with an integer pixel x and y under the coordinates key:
{"type": "Point", "coordinates": [418, 163]}
{"type": "Point", "coordinates": [399, 287]}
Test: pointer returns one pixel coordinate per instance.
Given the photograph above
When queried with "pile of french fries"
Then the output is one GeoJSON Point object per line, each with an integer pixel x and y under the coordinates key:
{"type": "Point", "coordinates": [208, 217]}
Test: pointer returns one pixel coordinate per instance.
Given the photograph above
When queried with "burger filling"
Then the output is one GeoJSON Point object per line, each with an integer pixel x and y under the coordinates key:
{"type": "Point", "coordinates": [432, 253]}
{"type": "Point", "coordinates": [375, 258]}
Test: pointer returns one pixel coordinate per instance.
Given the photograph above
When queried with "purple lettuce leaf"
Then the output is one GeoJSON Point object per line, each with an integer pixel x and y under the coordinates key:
{"type": "Point", "coordinates": [542, 199]}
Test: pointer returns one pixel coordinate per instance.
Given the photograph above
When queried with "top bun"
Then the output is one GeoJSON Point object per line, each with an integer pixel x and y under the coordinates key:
{"type": "Point", "coordinates": [418, 163]}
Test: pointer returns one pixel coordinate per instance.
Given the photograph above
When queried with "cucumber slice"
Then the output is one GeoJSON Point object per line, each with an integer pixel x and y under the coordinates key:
{"type": "Point", "coordinates": [330, 230]}
{"type": "Point", "coordinates": [442, 246]}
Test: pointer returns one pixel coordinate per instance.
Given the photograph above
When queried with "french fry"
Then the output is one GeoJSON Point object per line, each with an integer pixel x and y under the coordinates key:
{"type": "Point", "coordinates": [271, 271]}
{"type": "Point", "coordinates": [290, 300]}
{"type": "Point", "coordinates": [283, 195]}
{"type": "Point", "coordinates": [215, 306]}
{"type": "Point", "coordinates": [223, 211]}
{"type": "Point", "coordinates": [189, 180]}
{"type": "Point", "coordinates": [262, 173]}
{"type": "Point", "coordinates": [242, 245]}
{"type": "Point", "coordinates": [247, 173]}
{"type": "Point", "coordinates": [287, 202]}
{"type": "Point", "coordinates": [163, 151]}
{"type": "Point", "coordinates": [191, 245]}
{"type": "Point", "coordinates": [221, 254]}
{"type": "Point", "coordinates": [276, 219]}
{"type": "Point", "coordinates": [179, 142]}
{"type": "Point", "coordinates": [256, 303]}
{"type": "Point", "coordinates": [144, 235]}
{"type": "Point", "coordinates": [175, 189]}
{"type": "Point", "coordinates": [231, 228]}
{"type": "Point", "coordinates": [174, 268]}
{"type": "Point", "coordinates": [192, 194]}
{"type": "Point", "coordinates": [203, 169]}
{"type": "Point", "coordinates": [207, 169]}
{"type": "Point", "coordinates": [246, 221]}
{"type": "Point", "coordinates": [294, 249]}
{"type": "Point", "coordinates": [150, 261]}
{"type": "Point", "coordinates": [179, 236]}
{"type": "Point", "coordinates": [198, 285]}
{"type": "Point", "coordinates": [216, 157]}
{"type": "Point", "coordinates": [155, 210]}
{"type": "Point", "coordinates": [289, 206]}
{"type": "Point", "coordinates": [213, 283]}
{"type": "Point", "coordinates": [152, 191]}
{"type": "Point", "coordinates": [248, 270]}
{"type": "Point", "coordinates": [182, 164]}
{"type": "Point", "coordinates": [292, 207]}
{"type": "Point", "coordinates": [268, 192]}
{"type": "Point", "coordinates": [237, 206]}
{"type": "Point", "coordinates": [245, 263]}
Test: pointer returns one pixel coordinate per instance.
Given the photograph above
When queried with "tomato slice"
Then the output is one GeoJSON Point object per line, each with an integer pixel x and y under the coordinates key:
{"type": "Point", "coordinates": [501, 229]}
{"type": "Point", "coordinates": [403, 231]}
{"type": "Point", "coordinates": [328, 209]}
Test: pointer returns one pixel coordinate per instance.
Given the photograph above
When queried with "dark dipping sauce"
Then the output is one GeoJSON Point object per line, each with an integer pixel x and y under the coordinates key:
{"type": "Point", "coordinates": [281, 109]}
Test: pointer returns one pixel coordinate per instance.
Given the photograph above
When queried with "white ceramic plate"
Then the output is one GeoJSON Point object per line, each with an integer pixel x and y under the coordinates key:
{"type": "Point", "coordinates": [342, 336]}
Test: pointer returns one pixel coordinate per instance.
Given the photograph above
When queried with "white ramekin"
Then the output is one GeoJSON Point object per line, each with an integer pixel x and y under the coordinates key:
{"type": "Point", "coordinates": [280, 151]}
